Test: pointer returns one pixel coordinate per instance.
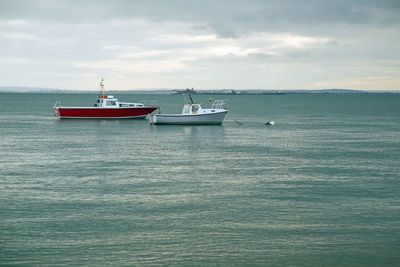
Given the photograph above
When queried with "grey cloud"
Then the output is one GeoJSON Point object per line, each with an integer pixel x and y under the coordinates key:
{"type": "Point", "coordinates": [299, 54]}
{"type": "Point", "coordinates": [227, 18]}
{"type": "Point", "coordinates": [223, 30]}
{"type": "Point", "coordinates": [260, 56]}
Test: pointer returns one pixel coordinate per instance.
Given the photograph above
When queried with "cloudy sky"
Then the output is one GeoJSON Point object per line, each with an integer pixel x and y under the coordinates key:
{"type": "Point", "coordinates": [207, 44]}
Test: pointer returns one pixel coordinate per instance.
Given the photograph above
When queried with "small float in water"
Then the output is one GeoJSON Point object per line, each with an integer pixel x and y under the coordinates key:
{"type": "Point", "coordinates": [270, 123]}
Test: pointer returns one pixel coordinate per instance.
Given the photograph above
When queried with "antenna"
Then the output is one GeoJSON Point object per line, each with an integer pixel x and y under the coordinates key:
{"type": "Point", "coordinates": [184, 98]}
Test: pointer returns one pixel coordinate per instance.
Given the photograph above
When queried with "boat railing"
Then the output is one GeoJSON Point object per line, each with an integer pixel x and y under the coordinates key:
{"type": "Point", "coordinates": [219, 104]}
{"type": "Point", "coordinates": [57, 104]}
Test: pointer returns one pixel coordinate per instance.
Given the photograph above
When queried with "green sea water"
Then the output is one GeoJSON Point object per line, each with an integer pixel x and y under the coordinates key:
{"type": "Point", "coordinates": [320, 188]}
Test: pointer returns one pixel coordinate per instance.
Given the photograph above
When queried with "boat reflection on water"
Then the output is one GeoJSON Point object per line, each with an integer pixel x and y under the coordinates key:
{"type": "Point", "coordinates": [191, 131]}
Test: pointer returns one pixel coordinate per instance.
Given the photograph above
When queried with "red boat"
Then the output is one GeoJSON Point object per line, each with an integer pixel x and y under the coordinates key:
{"type": "Point", "coordinates": [107, 107]}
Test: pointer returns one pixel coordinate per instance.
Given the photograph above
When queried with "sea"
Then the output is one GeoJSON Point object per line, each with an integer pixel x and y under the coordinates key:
{"type": "Point", "coordinates": [321, 187]}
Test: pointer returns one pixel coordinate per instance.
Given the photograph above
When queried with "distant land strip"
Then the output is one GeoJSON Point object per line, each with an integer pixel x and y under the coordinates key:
{"type": "Point", "coordinates": [10, 89]}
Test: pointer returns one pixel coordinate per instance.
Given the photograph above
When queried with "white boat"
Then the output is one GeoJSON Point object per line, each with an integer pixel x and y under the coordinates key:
{"type": "Point", "coordinates": [194, 114]}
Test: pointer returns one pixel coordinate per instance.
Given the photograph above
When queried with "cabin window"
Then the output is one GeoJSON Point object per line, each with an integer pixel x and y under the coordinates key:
{"type": "Point", "coordinates": [195, 108]}
{"type": "Point", "coordinates": [111, 103]}
{"type": "Point", "coordinates": [186, 109]}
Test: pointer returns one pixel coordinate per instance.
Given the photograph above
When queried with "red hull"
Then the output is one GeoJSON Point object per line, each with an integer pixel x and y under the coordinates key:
{"type": "Point", "coordinates": [102, 113]}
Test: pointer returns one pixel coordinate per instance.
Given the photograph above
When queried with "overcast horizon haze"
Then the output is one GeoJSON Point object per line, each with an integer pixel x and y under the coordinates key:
{"type": "Point", "coordinates": [206, 44]}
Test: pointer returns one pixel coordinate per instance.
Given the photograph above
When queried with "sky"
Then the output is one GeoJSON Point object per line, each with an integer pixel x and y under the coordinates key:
{"type": "Point", "coordinates": [207, 44]}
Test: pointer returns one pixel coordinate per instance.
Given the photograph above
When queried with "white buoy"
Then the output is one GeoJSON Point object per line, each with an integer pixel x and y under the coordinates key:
{"type": "Point", "coordinates": [270, 123]}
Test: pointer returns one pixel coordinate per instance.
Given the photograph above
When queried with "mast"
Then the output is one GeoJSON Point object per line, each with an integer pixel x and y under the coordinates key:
{"type": "Point", "coordinates": [188, 91]}
{"type": "Point", "coordinates": [102, 87]}
{"type": "Point", "coordinates": [191, 99]}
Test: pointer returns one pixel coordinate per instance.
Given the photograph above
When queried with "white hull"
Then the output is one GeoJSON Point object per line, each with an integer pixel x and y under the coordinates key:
{"type": "Point", "coordinates": [191, 119]}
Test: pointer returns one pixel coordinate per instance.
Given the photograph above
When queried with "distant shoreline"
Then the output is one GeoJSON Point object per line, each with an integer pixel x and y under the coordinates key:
{"type": "Point", "coordinates": [4, 89]}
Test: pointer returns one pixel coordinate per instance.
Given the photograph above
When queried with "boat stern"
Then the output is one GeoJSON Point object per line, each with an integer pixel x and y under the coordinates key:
{"type": "Point", "coordinates": [152, 118]}
{"type": "Point", "coordinates": [56, 107]}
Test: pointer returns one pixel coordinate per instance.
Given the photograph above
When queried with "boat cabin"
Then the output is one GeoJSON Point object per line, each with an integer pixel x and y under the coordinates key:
{"type": "Point", "coordinates": [191, 109]}
{"type": "Point", "coordinates": [108, 101]}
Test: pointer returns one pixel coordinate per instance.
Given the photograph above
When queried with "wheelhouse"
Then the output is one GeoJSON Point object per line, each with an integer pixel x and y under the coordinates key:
{"type": "Point", "coordinates": [108, 101]}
